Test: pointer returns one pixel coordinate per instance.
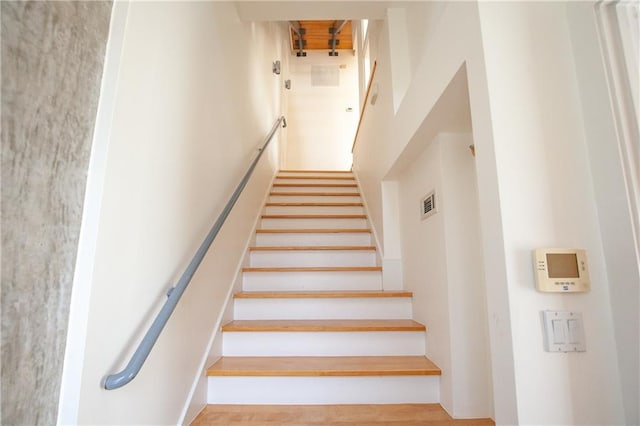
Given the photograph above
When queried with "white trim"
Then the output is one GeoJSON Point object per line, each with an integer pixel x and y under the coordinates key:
{"type": "Point", "coordinates": [627, 14]}
{"type": "Point", "coordinates": [392, 278]}
{"type": "Point", "coordinates": [71, 383]}
{"type": "Point", "coordinates": [368, 213]}
{"type": "Point", "coordinates": [624, 116]}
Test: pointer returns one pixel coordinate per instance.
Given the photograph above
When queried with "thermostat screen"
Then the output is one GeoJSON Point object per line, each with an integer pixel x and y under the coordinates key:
{"type": "Point", "coordinates": [562, 265]}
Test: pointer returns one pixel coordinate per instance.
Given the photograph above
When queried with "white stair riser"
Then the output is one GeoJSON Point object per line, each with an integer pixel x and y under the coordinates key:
{"type": "Point", "coordinates": [316, 198]}
{"type": "Point", "coordinates": [313, 223]}
{"type": "Point", "coordinates": [338, 308]}
{"type": "Point", "coordinates": [315, 181]}
{"type": "Point", "coordinates": [314, 209]}
{"type": "Point", "coordinates": [324, 390]}
{"type": "Point", "coordinates": [323, 343]}
{"type": "Point", "coordinates": [315, 188]}
{"type": "Point", "coordinates": [313, 258]}
{"type": "Point", "coordinates": [322, 239]}
{"type": "Point", "coordinates": [295, 281]}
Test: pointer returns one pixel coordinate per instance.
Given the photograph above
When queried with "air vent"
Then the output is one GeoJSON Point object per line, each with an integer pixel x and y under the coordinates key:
{"type": "Point", "coordinates": [428, 205]}
{"type": "Point", "coordinates": [325, 75]}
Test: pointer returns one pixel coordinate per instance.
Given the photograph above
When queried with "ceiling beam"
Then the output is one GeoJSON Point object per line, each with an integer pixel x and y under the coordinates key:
{"type": "Point", "coordinates": [334, 31]}
{"type": "Point", "coordinates": [297, 28]}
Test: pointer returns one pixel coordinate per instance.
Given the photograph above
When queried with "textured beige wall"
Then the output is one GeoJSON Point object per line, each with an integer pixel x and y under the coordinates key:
{"type": "Point", "coordinates": [52, 59]}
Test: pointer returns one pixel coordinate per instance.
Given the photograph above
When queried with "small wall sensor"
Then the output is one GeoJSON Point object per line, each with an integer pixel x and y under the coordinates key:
{"type": "Point", "coordinates": [374, 94]}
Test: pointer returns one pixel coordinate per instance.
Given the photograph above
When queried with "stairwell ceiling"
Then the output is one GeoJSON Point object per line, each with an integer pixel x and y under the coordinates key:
{"type": "Point", "coordinates": [317, 35]}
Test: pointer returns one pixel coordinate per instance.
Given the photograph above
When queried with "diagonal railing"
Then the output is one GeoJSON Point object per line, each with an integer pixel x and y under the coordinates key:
{"type": "Point", "coordinates": [364, 104]}
{"type": "Point", "coordinates": [117, 380]}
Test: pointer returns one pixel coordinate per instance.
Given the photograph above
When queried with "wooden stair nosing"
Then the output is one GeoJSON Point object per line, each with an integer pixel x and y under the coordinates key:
{"type": "Point", "coordinates": [317, 177]}
{"type": "Point", "coordinates": [314, 216]}
{"type": "Point", "coordinates": [314, 231]}
{"type": "Point", "coordinates": [352, 294]}
{"type": "Point", "coordinates": [302, 204]}
{"type": "Point", "coordinates": [315, 185]}
{"type": "Point", "coordinates": [312, 248]}
{"type": "Point", "coordinates": [324, 366]}
{"type": "Point", "coordinates": [315, 171]}
{"type": "Point", "coordinates": [323, 325]}
{"type": "Point", "coordinates": [315, 194]}
{"type": "Point", "coordinates": [314, 269]}
{"type": "Point", "coordinates": [332, 415]}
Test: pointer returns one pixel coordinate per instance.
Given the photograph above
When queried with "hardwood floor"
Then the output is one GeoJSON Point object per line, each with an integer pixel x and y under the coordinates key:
{"type": "Point", "coordinates": [331, 415]}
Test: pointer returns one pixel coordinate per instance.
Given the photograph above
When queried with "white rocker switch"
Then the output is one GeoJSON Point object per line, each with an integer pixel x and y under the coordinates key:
{"type": "Point", "coordinates": [563, 331]}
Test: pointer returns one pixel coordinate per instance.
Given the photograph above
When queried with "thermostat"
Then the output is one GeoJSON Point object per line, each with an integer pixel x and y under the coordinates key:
{"type": "Point", "coordinates": [561, 270]}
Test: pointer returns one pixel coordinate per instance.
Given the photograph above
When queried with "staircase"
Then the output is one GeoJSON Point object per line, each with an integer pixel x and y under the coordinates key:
{"type": "Point", "coordinates": [313, 324]}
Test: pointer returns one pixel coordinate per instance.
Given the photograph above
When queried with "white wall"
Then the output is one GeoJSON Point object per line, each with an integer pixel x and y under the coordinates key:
{"type": "Point", "coordinates": [453, 31]}
{"type": "Point", "coordinates": [547, 200]}
{"type": "Point", "coordinates": [189, 113]}
{"type": "Point", "coordinates": [424, 259]}
{"type": "Point", "coordinates": [535, 180]}
{"type": "Point", "coordinates": [321, 130]}
{"type": "Point", "coordinates": [375, 131]}
{"type": "Point", "coordinates": [471, 381]}
{"type": "Point", "coordinates": [442, 265]}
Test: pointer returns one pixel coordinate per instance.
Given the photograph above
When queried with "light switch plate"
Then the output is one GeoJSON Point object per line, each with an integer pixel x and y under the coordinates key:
{"type": "Point", "coordinates": [563, 331]}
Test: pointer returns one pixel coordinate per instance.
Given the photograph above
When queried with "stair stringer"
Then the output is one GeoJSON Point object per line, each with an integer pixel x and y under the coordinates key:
{"type": "Point", "coordinates": [197, 398]}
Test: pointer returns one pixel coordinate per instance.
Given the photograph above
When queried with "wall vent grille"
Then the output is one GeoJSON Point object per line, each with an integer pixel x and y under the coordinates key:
{"type": "Point", "coordinates": [325, 75]}
{"type": "Point", "coordinates": [428, 205]}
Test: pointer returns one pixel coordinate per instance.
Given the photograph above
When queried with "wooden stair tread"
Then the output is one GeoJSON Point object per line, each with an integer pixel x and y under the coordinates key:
{"type": "Point", "coordinates": [314, 231]}
{"type": "Point", "coordinates": [325, 366]}
{"type": "Point", "coordinates": [315, 185]}
{"type": "Point", "coordinates": [314, 216]}
{"type": "Point", "coordinates": [315, 204]}
{"type": "Point", "coordinates": [331, 415]}
{"type": "Point", "coordinates": [315, 171]}
{"type": "Point", "coordinates": [313, 269]}
{"type": "Point", "coordinates": [324, 325]}
{"type": "Point", "coordinates": [322, 194]}
{"type": "Point", "coordinates": [311, 248]}
{"type": "Point", "coordinates": [321, 294]}
{"type": "Point", "coordinates": [307, 177]}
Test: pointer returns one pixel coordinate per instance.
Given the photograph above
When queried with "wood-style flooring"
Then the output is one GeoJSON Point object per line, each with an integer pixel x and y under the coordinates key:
{"type": "Point", "coordinates": [323, 366]}
{"type": "Point", "coordinates": [331, 415]}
